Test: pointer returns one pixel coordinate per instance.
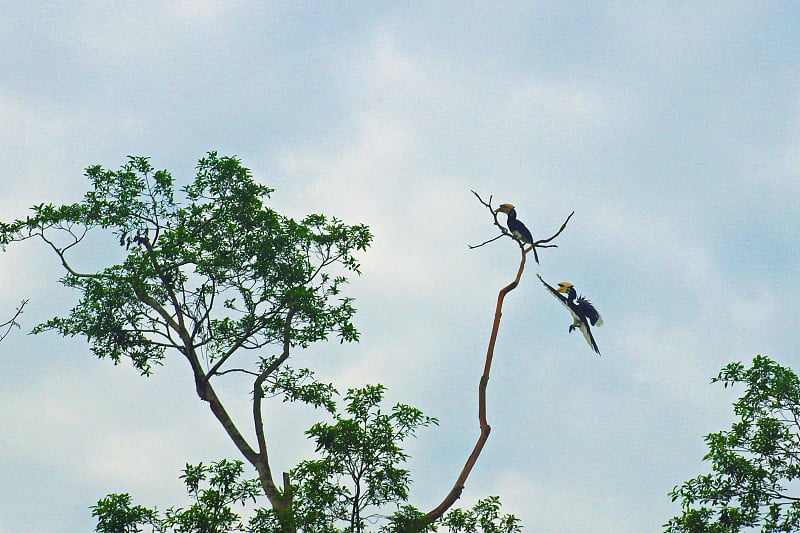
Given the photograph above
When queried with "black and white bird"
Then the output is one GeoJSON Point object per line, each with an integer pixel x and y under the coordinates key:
{"type": "Point", "coordinates": [583, 312]}
{"type": "Point", "coordinates": [517, 228]}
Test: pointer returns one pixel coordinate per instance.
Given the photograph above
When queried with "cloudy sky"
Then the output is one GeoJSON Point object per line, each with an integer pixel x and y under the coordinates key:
{"type": "Point", "coordinates": [672, 130]}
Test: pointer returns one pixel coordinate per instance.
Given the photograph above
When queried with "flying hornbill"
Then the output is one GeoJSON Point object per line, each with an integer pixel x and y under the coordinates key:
{"type": "Point", "coordinates": [517, 228]}
{"type": "Point", "coordinates": [582, 310]}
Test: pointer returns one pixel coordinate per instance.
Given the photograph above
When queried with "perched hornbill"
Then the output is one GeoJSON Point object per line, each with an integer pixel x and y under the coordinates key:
{"type": "Point", "coordinates": [582, 310]}
{"type": "Point", "coordinates": [517, 228]}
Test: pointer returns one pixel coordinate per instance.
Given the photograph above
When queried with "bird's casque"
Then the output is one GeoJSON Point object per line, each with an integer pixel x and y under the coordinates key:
{"type": "Point", "coordinates": [583, 312]}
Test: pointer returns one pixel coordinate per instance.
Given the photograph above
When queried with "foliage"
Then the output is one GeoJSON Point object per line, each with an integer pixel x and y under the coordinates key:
{"type": "Point", "coordinates": [211, 511]}
{"type": "Point", "coordinates": [359, 463]}
{"type": "Point", "coordinates": [359, 469]}
{"type": "Point", "coordinates": [115, 514]}
{"type": "Point", "coordinates": [484, 517]}
{"type": "Point", "coordinates": [755, 464]}
{"type": "Point", "coordinates": [211, 274]}
{"type": "Point", "coordinates": [215, 276]}
{"type": "Point", "coordinates": [182, 260]}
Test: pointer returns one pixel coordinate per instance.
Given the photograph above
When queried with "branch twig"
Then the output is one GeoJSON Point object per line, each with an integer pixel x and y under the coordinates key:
{"type": "Point", "coordinates": [12, 321]}
{"type": "Point", "coordinates": [541, 243]}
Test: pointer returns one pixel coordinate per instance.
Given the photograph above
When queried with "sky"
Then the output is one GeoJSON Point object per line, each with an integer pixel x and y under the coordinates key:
{"type": "Point", "coordinates": [671, 129]}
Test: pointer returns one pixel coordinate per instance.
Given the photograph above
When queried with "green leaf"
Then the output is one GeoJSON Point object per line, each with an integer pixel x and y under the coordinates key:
{"type": "Point", "coordinates": [754, 463]}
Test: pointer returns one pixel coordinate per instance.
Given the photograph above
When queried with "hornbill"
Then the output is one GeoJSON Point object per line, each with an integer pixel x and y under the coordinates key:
{"type": "Point", "coordinates": [517, 228]}
{"type": "Point", "coordinates": [582, 310]}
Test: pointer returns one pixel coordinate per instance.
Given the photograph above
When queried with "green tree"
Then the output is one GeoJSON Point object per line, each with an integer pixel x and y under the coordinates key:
{"type": "Point", "coordinates": [211, 274]}
{"type": "Point", "coordinates": [361, 458]}
{"type": "Point", "coordinates": [755, 464]}
{"type": "Point", "coordinates": [360, 468]}
{"type": "Point", "coordinates": [212, 510]}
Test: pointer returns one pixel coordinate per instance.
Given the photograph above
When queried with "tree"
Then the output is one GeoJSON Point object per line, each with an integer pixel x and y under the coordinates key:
{"type": "Point", "coordinates": [359, 469]}
{"type": "Point", "coordinates": [215, 488]}
{"type": "Point", "coordinates": [755, 464]}
{"type": "Point", "coordinates": [211, 511]}
{"type": "Point", "coordinates": [233, 287]}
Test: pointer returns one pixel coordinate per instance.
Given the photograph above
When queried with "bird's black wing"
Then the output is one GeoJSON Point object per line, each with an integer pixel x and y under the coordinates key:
{"type": "Point", "coordinates": [518, 228]}
{"type": "Point", "coordinates": [588, 310]}
{"type": "Point", "coordinates": [554, 292]}
{"type": "Point", "coordinates": [561, 298]}
{"type": "Point", "coordinates": [582, 324]}
{"type": "Point", "coordinates": [521, 232]}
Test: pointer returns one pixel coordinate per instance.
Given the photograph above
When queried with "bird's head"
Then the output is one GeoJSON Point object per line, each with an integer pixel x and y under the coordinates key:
{"type": "Point", "coordinates": [564, 286]}
{"type": "Point", "coordinates": [505, 208]}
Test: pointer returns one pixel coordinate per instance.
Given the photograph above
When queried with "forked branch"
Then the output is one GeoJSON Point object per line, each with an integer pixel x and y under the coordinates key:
{"type": "Point", "coordinates": [541, 243]}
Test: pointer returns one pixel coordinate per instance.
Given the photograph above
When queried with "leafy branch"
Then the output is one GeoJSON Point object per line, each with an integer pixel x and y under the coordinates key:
{"type": "Point", "coordinates": [755, 464]}
{"type": "Point", "coordinates": [210, 278]}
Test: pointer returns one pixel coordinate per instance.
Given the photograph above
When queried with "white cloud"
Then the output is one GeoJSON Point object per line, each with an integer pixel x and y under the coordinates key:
{"type": "Point", "coordinates": [646, 121]}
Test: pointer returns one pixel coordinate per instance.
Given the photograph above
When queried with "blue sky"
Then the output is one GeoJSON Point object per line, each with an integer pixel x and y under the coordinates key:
{"type": "Point", "coordinates": [672, 130]}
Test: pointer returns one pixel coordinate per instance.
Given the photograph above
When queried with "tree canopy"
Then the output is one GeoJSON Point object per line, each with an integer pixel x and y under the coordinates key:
{"type": "Point", "coordinates": [211, 274]}
{"type": "Point", "coordinates": [755, 464]}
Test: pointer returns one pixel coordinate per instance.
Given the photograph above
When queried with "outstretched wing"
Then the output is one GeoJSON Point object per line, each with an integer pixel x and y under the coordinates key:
{"type": "Point", "coordinates": [554, 292]}
{"type": "Point", "coordinates": [561, 298]}
{"type": "Point", "coordinates": [581, 324]}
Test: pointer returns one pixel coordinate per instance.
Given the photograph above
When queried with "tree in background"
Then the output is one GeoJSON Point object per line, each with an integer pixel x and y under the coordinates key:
{"type": "Point", "coordinates": [235, 288]}
{"type": "Point", "coordinates": [755, 464]}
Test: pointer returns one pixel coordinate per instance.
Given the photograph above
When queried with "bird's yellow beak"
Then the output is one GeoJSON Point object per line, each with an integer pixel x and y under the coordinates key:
{"type": "Point", "coordinates": [564, 286]}
{"type": "Point", "coordinates": [505, 208]}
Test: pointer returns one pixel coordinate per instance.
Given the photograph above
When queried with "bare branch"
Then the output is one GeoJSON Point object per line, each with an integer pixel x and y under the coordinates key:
{"type": "Point", "coordinates": [12, 322]}
{"type": "Point", "coordinates": [458, 487]}
{"type": "Point", "coordinates": [61, 252]}
{"type": "Point", "coordinates": [541, 243]}
{"type": "Point", "coordinates": [473, 246]}
{"type": "Point", "coordinates": [241, 342]}
{"type": "Point", "coordinates": [485, 428]}
{"type": "Point", "coordinates": [242, 370]}
{"type": "Point", "coordinates": [503, 230]}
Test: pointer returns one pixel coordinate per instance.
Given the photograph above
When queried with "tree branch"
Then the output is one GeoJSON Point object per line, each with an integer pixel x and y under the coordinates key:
{"type": "Point", "coordinates": [204, 389]}
{"type": "Point", "coordinates": [181, 329]}
{"type": "Point", "coordinates": [278, 501]}
{"type": "Point", "coordinates": [541, 243]}
{"type": "Point", "coordinates": [12, 321]}
{"type": "Point", "coordinates": [241, 341]}
{"type": "Point", "coordinates": [485, 428]}
{"type": "Point", "coordinates": [458, 487]}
